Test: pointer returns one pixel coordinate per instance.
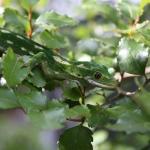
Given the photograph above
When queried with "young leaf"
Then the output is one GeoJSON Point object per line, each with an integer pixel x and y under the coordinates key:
{"type": "Point", "coordinates": [132, 56]}
{"type": "Point", "coordinates": [76, 138]}
{"type": "Point", "coordinates": [13, 69]}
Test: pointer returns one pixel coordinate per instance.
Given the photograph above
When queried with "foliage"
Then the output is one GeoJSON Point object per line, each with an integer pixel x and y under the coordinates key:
{"type": "Point", "coordinates": [100, 63]}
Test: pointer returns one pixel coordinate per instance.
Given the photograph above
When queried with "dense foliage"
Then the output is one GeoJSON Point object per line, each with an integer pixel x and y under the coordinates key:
{"type": "Point", "coordinates": [99, 61]}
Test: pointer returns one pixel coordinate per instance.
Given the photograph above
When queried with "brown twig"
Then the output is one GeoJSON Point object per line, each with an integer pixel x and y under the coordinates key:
{"type": "Point", "coordinates": [29, 33]}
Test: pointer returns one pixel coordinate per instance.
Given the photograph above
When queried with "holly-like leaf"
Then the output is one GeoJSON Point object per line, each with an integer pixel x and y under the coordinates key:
{"type": "Point", "coordinates": [14, 70]}
{"type": "Point", "coordinates": [132, 56]}
{"type": "Point", "coordinates": [8, 99]}
{"type": "Point", "coordinates": [129, 118]}
{"type": "Point", "coordinates": [76, 138]}
{"type": "Point", "coordinates": [98, 116]}
{"type": "Point", "coordinates": [51, 118]}
{"type": "Point", "coordinates": [53, 19]}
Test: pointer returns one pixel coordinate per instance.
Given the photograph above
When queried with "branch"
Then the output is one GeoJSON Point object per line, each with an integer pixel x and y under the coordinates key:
{"type": "Point", "coordinates": [29, 33]}
{"type": "Point", "coordinates": [75, 120]}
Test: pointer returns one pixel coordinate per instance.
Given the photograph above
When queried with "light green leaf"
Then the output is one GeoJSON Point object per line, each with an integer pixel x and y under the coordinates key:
{"type": "Point", "coordinates": [8, 99]}
{"type": "Point", "coordinates": [13, 69]}
{"type": "Point", "coordinates": [129, 118]}
{"type": "Point", "coordinates": [76, 138]}
{"type": "Point", "coordinates": [132, 56]}
{"type": "Point", "coordinates": [53, 19]}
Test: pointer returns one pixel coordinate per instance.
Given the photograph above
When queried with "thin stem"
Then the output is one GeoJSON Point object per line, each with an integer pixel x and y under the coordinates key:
{"type": "Point", "coordinates": [82, 92]}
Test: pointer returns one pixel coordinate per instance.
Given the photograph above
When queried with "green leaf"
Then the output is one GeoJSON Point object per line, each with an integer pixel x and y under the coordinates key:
{"type": "Point", "coordinates": [77, 111]}
{"type": "Point", "coordinates": [53, 19]}
{"type": "Point", "coordinates": [51, 118]}
{"type": "Point", "coordinates": [132, 56]}
{"type": "Point", "coordinates": [142, 99]}
{"type": "Point", "coordinates": [76, 138]}
{"type": "Point", "coordinates": [71, 91]}
{"type": "Point", "coordinates": [15, 20]}
{"type": "Point", "coordinates": [98, 116]}
{"type": "Point", "coordinates": [129, 118]}
{"type": "Point", "coordinates": [8, 99]}
{"type": "Point", "coordinates": [37, 78]}
{"type": "Point", "coordinates": [53, 39]}
{"type": "Point", "coordinates": [27, 4]}
{"type": "Point", "coordinates": [31, 100]}
{"type": "Point", "coordinates": [13, 69]}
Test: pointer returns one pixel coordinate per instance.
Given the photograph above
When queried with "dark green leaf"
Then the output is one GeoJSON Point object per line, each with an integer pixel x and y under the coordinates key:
{"type": "Point", "coordinates": [98, 116]}
{"type": "Point", "coordinates": [76, 138]}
